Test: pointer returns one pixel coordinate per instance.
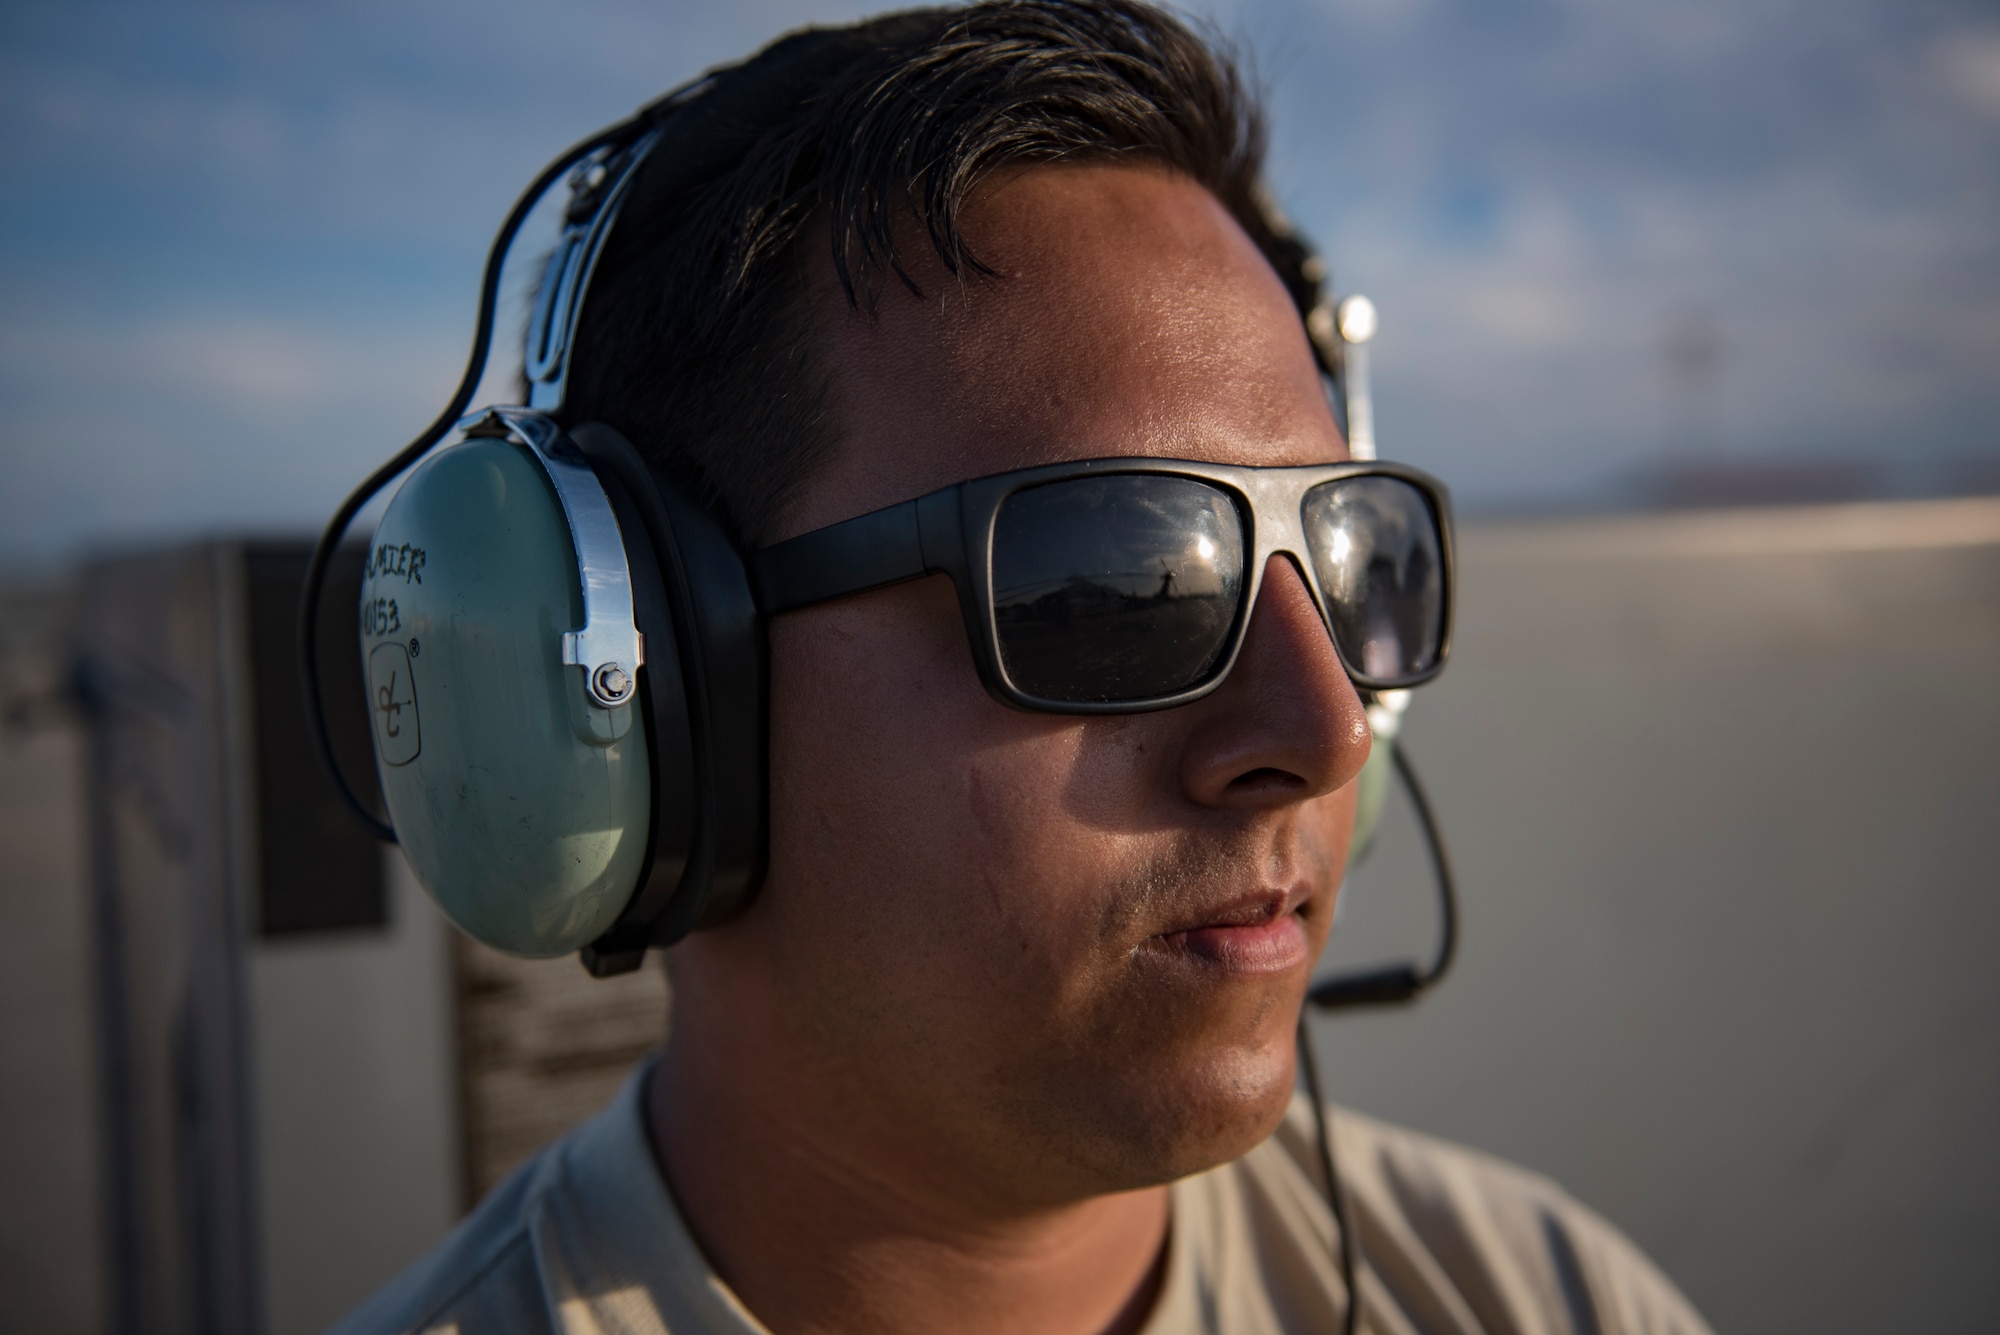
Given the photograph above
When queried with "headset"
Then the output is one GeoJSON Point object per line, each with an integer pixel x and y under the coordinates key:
{"type": "Point", "coordinates": [563, 650]}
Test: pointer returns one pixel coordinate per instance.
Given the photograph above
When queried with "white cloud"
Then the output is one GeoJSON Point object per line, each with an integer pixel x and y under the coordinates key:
{"type": "Point", "coordinates": [1522, 312]}
{"type": "Point", "coordinates": [168, 426]}
{"type": "Point", "coordinates": [1970, 63]}
{"type": "Point", "coordinates": [255, 369]}
{"type": "Point", "coordinates": [1528, 195]}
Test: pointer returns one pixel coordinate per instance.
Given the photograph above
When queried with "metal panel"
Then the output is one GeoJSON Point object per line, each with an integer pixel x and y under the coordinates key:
{"type": "Point", "coordinates": [154, 633]}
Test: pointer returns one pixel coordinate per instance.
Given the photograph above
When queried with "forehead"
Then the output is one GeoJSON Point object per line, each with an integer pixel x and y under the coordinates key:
{"type": "Point", "coordinates": [1129, 315]}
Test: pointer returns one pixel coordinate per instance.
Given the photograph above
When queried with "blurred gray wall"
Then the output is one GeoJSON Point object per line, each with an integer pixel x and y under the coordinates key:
{"type": "Point", "coordinates": [50, 1227]}
{"type": "Point", "coordinates": [356, 1078]}
{"type": "Point", "coordinates": [1724, 793]}
{"type": "Point", "coordinates": [346, 1147]}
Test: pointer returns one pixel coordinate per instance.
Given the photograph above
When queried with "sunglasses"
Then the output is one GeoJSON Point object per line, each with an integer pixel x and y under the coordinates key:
{"type": "Point", "coordinates": [1122, 585]}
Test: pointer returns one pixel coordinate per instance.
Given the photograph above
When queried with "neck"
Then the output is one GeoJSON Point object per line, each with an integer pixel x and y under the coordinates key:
{"type": "Point", "coordinates": [820, 1223]}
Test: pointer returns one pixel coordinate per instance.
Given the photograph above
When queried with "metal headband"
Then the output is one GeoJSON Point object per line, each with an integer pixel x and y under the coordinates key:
{"type": "Point", "coordinates": [608, 647]}
{"type": "Point", "coordinates": [597, 185]}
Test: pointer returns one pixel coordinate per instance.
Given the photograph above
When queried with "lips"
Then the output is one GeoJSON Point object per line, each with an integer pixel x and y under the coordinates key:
{"type": "Point", "coordinates": [1257, 934]}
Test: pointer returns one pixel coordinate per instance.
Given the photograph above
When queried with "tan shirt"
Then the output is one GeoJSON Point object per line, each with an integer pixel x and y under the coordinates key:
{"type": "Point", "coordinates": [585, 1238]}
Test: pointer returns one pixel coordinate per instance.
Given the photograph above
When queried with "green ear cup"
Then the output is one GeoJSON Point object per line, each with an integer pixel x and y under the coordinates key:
{"type": "Point", "coordinates": [1373, 795]}
{"type": "Point", "coordinates": [1377, 777]}
{"type": "Point", "coordinates": [522, 806]}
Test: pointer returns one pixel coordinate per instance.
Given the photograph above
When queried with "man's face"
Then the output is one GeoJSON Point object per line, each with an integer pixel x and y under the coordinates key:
{"type": "Point", "coordinates": [1066, 952]}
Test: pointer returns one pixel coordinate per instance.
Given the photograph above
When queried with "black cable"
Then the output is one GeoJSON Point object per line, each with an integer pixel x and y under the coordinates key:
{"type": "Point", "coordinates": [1346, 1253]}
{"type": "Point", "coordinates": [1374, 987]}
{"type": "Point", "coordinates": [1396, 983]}
{"type": "Point", "coordinates": [475, 369]}
{"type": "Point", "coordinates": [1447, 880]}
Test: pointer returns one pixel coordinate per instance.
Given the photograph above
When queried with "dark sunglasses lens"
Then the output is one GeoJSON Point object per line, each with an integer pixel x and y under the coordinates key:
{"type": "Point", "coordinates": [1115, 588]}
{"type": "Point", "coordinates": [1380, 561]}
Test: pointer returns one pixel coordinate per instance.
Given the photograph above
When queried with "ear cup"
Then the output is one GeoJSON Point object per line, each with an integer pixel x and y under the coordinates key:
{"type": "Point", "coordinates": [1371, 796]}
{"type": "Point", "coordinates": [722, 679]}
{"type": "Point", "coordinates": [663, 700]}
{"type": "Point", "coordinates": [1385, 720]}
{"type": "Point", "coordinates": [523, 807]}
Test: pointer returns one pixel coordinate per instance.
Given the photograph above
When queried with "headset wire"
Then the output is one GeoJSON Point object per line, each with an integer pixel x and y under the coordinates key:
{"type": "Point", "coordinates": [1345, 1251]}
{"type": "Point", "coordinates": [468, 385]}
{"type": "Point", "coordinates": [1398, 984]}
{"type": "Point", "coordinates": [1441, 868]}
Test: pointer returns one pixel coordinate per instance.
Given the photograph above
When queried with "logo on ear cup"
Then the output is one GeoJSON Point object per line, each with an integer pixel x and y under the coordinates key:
{"type": "Point", "coordinates": [392, 703]}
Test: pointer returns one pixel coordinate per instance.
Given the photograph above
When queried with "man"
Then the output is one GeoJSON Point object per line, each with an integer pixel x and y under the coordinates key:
{"type": "Point", "coordinates": [1005, 1042]}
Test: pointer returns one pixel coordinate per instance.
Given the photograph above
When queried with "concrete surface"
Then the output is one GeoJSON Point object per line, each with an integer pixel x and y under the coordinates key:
{"type": "Point", "coordinates": [1724, 794]}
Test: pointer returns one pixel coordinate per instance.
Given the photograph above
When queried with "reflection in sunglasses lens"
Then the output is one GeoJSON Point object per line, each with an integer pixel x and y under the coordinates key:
{"type": "Point", "coordinates": [1115, 588]}
{"type": "Point", "coordinates": [1377, 554]}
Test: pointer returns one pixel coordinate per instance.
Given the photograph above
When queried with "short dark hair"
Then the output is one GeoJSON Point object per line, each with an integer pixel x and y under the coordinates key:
{"type": "Point", "coordinates": [693, 341]}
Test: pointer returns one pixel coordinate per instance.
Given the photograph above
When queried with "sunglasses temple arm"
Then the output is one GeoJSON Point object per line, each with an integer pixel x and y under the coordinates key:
{"type": "Point", "coordinates": [868, 552]}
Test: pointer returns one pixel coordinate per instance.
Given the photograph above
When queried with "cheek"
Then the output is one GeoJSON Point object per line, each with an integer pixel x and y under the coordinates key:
{"type": "Point", "coordinates": [919, 828]}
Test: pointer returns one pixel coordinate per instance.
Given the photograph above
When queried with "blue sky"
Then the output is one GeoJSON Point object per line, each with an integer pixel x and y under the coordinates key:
{"type": "Point", "coordinates": [241, 242]}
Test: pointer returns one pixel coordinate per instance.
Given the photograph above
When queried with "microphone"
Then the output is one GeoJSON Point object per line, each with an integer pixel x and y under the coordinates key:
{"type": "Point", "coordinates": [1397, 984]}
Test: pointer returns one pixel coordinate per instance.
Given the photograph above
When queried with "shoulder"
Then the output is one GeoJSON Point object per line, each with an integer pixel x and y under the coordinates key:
{"type": "Point", "coordinates": [482, 1277]}
{"type": "Point", "coordinates": [1452, 1238]}
{"type": "Point", "coordinates": [584, 1237]}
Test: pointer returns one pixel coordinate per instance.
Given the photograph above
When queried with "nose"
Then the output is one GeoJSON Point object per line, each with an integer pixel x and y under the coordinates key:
{"type": "Point", "coordinates": [1286, 725]}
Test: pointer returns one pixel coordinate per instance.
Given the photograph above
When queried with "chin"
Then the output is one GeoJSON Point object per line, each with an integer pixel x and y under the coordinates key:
{"type": "Point", "coordinates": [1226, 1107]}
{"type": "Point", "coordinates": [1159, 1121]}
